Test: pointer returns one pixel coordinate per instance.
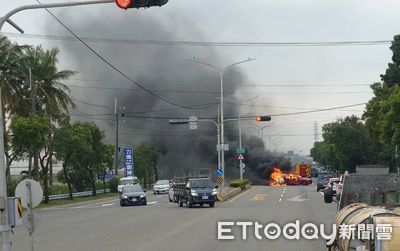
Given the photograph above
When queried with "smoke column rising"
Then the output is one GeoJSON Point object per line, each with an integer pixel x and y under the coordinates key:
{"type": "Point", "coordinates": [167, 70]}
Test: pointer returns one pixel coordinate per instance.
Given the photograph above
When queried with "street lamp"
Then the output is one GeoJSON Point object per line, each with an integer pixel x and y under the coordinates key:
{"type": "Point", "coordinates": [221, 72]}
{"type": "Point", "coordinates": [241, 165]}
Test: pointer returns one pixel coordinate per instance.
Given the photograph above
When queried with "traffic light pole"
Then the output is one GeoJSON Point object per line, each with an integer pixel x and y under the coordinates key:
{"type": "Point", "coordinates": [5, 229]}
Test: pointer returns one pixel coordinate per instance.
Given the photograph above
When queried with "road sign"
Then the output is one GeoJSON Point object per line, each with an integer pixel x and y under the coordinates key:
{"type": "Point", "coordinates": [193, 122]}
{"type": "Point", "coordinates": [129, 171]}
{"type": "Point", "coordinates": [219, 172]}
{"type": "Point", "coordinates": [106, 176]}
{"type": "Point", "coordinates": [223, 147]}
{"type": "Point", "coordinates": [240, 150]}
{"type": "Point", "coordinates": [219, 180]}
{"type": "Point", "coordinates": [240, 157]}
{"type": "Point", "coordinates": [36, 192]}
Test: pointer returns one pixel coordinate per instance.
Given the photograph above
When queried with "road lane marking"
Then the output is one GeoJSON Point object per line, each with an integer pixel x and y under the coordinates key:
{"type": "Point", "coordinates": [321, 193]}
{"type": "Point", "coordinates": [299, 198]}
{"type": "Point", "coordinates": [108, 204]}
{"type": "Point", "coordinates": [240, 195]}
{"type": "Point", "coordinates": [258, 197]}
{"type": "Point", "coordinates": [283, 192]}
{"type": "Point", "coordinates": [151, 202]}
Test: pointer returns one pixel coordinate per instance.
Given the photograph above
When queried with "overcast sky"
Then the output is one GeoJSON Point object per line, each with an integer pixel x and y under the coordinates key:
{"type": "Point", "coordinates": [247, 21]}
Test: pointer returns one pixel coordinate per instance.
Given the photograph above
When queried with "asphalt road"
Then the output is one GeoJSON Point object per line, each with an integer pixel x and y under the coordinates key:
{"type": "Point", "coordinates": [104, 225]}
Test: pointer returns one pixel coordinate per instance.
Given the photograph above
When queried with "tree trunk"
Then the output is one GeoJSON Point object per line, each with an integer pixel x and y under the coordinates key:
{"type": "Point", "coordinates": [93, 182]}
{"type": "Point", "coordinates": [36, 166]}
{"type": "Point", "coordinates": [155, 171]}
{"type": "Point", "coordinates": [46, 187]}
{"type": "Point", "coordinates": [51, 166]}
{"type": "Point", "coordinates": [8, 170]}
{"type": "Point", "coordinates": [67, 180]}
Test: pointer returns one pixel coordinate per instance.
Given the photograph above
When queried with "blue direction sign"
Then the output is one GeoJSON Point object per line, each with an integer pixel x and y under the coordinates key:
{"type": "Point", "coordinates": [219, 172]}
{"type": "Point", "coordinates": [129, 165]}
{"type": "Point", "coordinates": [106, 176]}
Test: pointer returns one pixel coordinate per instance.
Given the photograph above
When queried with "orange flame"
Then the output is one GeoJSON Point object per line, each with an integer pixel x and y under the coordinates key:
{"type": "Point", "coordinates": [277, 178]}
{"type": "Point", "coordinates": [282, 179]}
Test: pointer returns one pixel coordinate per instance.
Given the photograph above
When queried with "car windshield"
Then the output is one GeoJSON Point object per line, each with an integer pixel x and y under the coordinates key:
{"type": "Point", "coordinates": [133, 189]}
{"type": "Point", "coordinates": [126, 182]}
{"type": "Point", "coordinates": [162, 182]}
{"type": "Point", "coordinates": [200, 184]}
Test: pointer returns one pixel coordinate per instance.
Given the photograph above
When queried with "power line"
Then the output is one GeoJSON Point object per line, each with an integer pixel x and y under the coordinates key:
{"type": "Point", "coordinates": [129, 115]}
{"type": "Point", "coordinates": [116, 69]}
{"type": "Point", "coordinates": [199, 92]}
{"type": "Point", "coordinates": [240, 84]}
{"type": "Point", "coordinates": [202, 43]}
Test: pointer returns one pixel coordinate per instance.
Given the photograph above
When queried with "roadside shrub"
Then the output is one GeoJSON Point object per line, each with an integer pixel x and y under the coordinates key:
{"type": "Point", "coordinates": [113, 184]}
{"type": "Point", "coordinates": [11, 185]}
{"type": "Point", "coordinates": [58, 189]}
{"type": "Point", "coordinates": [239, 183]}
{"type": "Point", "coordinates": [100, 185]}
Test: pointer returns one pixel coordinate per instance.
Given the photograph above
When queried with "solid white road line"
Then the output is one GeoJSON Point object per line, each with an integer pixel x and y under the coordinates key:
{"type": "Point", "coordinates": [151, 202]}
{"type": "Point", "coordinates": [240, 195]}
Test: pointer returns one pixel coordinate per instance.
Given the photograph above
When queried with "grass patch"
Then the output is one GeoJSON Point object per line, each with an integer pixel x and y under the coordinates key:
{"type": "Point", "coordinates": [54, 203]}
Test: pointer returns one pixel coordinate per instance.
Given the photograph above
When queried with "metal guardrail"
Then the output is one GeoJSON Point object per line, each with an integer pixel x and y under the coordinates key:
{"type": "Point", "coordinates": [78, 194]}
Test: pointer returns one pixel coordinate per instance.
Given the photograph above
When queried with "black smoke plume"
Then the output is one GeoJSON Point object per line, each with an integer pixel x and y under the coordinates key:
{"type": "Point", "coordinates": [166, 71]}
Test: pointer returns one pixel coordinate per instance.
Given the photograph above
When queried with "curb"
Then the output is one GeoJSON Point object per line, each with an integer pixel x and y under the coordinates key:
{"type": "Point", "coordinates": [230, 192]}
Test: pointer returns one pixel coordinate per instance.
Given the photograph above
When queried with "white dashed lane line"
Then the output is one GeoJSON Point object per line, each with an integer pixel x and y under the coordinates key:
{"type": "Point", "coordinates": [283, 192]}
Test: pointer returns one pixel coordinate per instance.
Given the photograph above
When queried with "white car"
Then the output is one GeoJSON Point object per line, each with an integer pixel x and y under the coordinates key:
{"type": "Point", "coordinates": [171, 194]}
{"type": "Point", "coordinates": [161, 186]}
{"type": "Point", "coordinates": [127, 181]}
{"type": "Point", "coordinates": [333, 183]}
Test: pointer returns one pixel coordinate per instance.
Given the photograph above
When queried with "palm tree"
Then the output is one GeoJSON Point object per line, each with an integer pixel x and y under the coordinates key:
{"type": "Point", "coordinates": [12, 87]}
{"type": "Point", "coordinates": [53, 95]}
{"type": "Point", "coordinates": [12, 81]}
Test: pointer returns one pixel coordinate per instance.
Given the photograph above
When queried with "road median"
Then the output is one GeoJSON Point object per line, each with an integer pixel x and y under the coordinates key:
{"type": "Point", "coordinates": [229, 192]}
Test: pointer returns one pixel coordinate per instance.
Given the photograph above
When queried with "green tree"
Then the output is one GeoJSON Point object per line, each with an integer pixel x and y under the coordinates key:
{"type": "Point", "coordinates": [147, 156]}
{"type": "Point", "coordinates": [79, 146]}
{"type": "Point", "coordinates": [392, 74]}
{"type": "Point", "coordinates": [346, 144]}
{"type": "Point", "coordinates": [29, 134]}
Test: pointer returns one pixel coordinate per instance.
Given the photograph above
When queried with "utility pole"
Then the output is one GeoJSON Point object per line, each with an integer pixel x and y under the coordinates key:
{"type": "Point", "coordinates": [315, 131]}
{"type": "Point", "coordinates": [116, 153]}
{"type": "Point", "coordinates": [34, 111]}
{"type": "Point", "coordinates": [240, 146]}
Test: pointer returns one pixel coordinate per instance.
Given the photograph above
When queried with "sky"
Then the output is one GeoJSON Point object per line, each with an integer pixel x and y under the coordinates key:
{"type": "Point", "coordinates": [328, 76]}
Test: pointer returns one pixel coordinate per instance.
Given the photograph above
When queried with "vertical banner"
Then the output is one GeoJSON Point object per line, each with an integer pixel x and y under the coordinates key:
{"type": "Point", "coordinates": [128, 152]}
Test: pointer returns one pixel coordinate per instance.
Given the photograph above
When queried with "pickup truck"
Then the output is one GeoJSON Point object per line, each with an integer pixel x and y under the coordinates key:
{"type": "Point", "coordinates": [195, 191]}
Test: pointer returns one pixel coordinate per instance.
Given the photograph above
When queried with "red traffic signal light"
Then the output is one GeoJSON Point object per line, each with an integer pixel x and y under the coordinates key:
{"type": "Point", "coordinates": [123, 4]}
{"type": "Point", "coordinates": [126, 4]}
{"type": "Point", "coordinates": [263, 118]}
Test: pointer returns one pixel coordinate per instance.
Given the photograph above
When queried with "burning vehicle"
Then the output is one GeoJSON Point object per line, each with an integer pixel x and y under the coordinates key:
{"type": "Point", "coordinates": [278, 178]}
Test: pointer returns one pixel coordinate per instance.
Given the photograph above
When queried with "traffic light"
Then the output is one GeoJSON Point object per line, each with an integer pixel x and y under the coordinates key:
{"type": "Point", "coordinates": [126, 4]}
{"type": "Point", "coordinates": [263, 118]}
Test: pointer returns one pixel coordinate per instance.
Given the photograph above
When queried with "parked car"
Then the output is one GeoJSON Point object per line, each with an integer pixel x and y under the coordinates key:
{"type": "Point", "coordinates": [322, 184]}
{"type": "Point", "coordinates": [161, 186]}
{"type": "Point", "coordinates": [127, 181]}
{"type": "Point", "coordinates": [132, 195]}
{"type": "Point", "coordinates": [332, 184]}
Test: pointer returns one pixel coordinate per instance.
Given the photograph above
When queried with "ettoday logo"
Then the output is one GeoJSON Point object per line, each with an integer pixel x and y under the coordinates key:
{"type": "Point", "coordinates": [273, 231]}
{"type": "Point", "coordinates": [308, 231]}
